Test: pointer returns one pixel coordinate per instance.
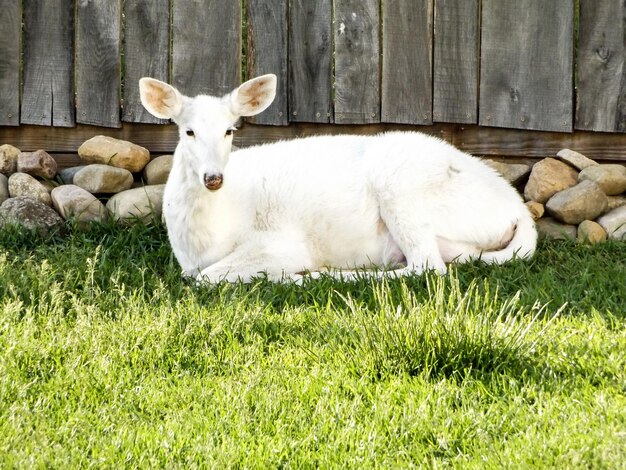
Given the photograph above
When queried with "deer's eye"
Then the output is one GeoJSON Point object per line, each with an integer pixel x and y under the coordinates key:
{"type": "Point", "coordinates": [190, 133]}
{"type": "Point", "coordinates": [230, 131]}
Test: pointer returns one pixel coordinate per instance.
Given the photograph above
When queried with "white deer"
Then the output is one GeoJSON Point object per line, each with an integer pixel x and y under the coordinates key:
{"type": "Point", "coordinates": [398, 202]}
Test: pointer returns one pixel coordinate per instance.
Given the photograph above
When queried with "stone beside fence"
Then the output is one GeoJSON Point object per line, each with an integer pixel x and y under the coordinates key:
{"type": "Point", "coordinates": [569, 195]}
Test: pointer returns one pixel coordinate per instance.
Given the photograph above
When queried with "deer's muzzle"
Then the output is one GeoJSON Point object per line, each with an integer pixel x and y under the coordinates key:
{"type": "Point", "coordinates": [213, 182]}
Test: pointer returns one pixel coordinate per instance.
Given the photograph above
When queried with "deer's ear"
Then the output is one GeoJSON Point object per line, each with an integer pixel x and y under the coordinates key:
{"type": "Point", "coordinates": [253, 96]}
{"type": "Point", "coordinates": [160, 99]}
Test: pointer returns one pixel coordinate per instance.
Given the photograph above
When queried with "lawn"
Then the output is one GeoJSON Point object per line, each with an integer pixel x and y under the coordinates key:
{"type": "Point", "coordinates": [109, 359]}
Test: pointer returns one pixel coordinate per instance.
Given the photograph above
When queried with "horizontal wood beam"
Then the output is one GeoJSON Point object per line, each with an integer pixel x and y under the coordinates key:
{"type": "Point", "coordinates": [477, 140]}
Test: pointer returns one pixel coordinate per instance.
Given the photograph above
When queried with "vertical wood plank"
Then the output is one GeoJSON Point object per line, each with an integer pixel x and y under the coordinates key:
{"type": "Point", "coordinates": [98, 62]}
{"type": "Point", "coordinates": [11, 21]}
{"type": "Point", "coordinates": [48, 97]}
{"type": "Point", "coordinates": [357, 66]}
{"type": "Point", "coordinates": [267, 52]}
{"type": "Point", "coordinates": [601, 68]}
{"type": "Point", "coordinates": [310, 61]}
{"type": "Point", "coordinates": [206, 46]}
{"type": "Point", "coordinates": [456, 61]}
{"type": "Point", "coordinates": [527, 64]}
{"type": "Point", "coordinates": [146, 52]}
{"type": "Point", "coordinates": [407, 61]}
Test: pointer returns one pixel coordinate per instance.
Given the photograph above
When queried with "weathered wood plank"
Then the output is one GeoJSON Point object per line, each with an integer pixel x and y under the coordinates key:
{"type": "Point", "coordinates": [601, 66]}
{"type": "Point", "coordinates": [407, 61]}
{"type": "Point", "coordinates": [48, 96]}
{"type": "Point", "coordinates": [456, 61]}
{"type": "Point", "coordinates": [527, 64]}
{"type": "Point", "coordinates": [98, 62]}
{"type": "Point", "coordinates": [11, 21]}
{"type": "Point", "coordinates": [310, 61]}
{"type": "Point", "coordinates": [267, 51]}
{"type": "Point", "coordinates": [206, 46]}
{"type": "Point", "coordinates": [478, 140]}
{"type": "Point", "coordinates": [357, 66]}
{"type": "Point", "coordinates": [146, 52]}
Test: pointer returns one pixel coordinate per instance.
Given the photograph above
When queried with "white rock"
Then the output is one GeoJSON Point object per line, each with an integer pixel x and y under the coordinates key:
{"type": "Point", "coordinates": [611, 177]}
{"type": "Point", "coordinates": [157, 171]}
{"type": "Point", "coordinates": [577, 160]}
{"type": "Point", "coordinates": [139, 203]}
{"type": "Point", "coordinates": [614, 223]}
{"type": "Point", "coordinates": [103, 179]}
{"type": "Point", "coordinates": [72, 201]}
{"type": "Point", "coordinates": [118, 153]}
{"type": "Point", "coordinates": [23, 185]}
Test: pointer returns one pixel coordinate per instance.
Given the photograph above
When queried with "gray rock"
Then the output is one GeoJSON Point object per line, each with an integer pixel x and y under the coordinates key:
{"type": "Point", "coordinates": [67, 174]}
{"type": "Point", "coordinates": [4, 188]}
{"type": "Point", "coordinates": [8, 159]}
{"type": "Point", "coordinates": [118, 153]}
{"type": "Point", "coordinates": [611, 178]}
{"type": "Point", "coordinates": [23, 185]}
{"type": "Point", "coordinates": [549, 228]}
{"type": "Point", "coordinates": [38, 163]}
{"type": "Point", "coordinates": [591, 232]}
{"type": "Point", "coordinates": [585, 201]}
{"type": "Point", "coordinates": [548, 177]}
{"type": "Point", "coordinates": [157, 171]}
{"type": "Point", "coordinates": [575, 159]}
{"type": "Point", "coordinates": [74, 202]}
{"type": "Point", "coordinates": [103, 179]}
{"type": "Point", "coordinates": [29, 213]}
{"type": "Point", "coordinates": [140, 203]}
{"type": "Point", "coordinates": [614, 223]}
{"type": "Point", "coordinates": [514, 173]}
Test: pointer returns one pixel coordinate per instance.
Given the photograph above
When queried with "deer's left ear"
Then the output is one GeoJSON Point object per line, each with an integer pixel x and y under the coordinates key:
{"type": "Point", "coordinates": [253, 96]}
{"type": "Point", "coordinates": [160, 99]}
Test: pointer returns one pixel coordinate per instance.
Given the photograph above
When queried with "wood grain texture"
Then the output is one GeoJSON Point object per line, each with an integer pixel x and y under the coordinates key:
{"type": "Point", "coordinates": [206, 46]}
{"type": "Point", "coordinates": [310, 61]}
{"type": "Point", "coordinates": [98, 62]}
{"type": "Point", "coordinates": [357, 65]}
{"type": "Point", "coordinates": [527, 64]}
{"type": "Point", "coordinates": [477, 140]}
{"type": "Point", "coordinates": [456, 61]}
{"type": "Point", "coordinates": [407, 80]}
{"type": "Point", "coordinates": [11, 21]}
{"type": "Point", "coordinates": [146, 52]}
{"type": "Point", "coordinates": [267, 52]}
{"type": "Point", "coordinates": [48, 96]}
{"type": "Point", "coordinates": [601, 67]}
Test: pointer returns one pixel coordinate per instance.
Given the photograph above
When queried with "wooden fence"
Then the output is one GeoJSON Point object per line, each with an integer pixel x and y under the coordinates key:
{"type": "Point", "coordinates": [464, 69]}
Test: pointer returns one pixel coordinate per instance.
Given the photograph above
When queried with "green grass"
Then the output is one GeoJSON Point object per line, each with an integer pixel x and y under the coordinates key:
{"type": "Point", "coordinates": [109, 359]}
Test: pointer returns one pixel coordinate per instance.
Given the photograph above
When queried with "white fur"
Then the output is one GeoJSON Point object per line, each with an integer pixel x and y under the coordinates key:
{"type": "Point", "coordinates": [401, 201]}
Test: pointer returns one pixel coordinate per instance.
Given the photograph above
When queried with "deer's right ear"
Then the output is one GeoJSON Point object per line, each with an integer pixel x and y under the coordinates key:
{"type": "Point", "coordinates": [160, 99]}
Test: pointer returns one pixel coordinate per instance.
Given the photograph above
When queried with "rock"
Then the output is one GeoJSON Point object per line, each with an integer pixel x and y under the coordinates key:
{"type": "Point", "coordinates": [581, 202]}
{"type": "Point", "coordinates": [549, 228]}
{"type": "Point", "coordinates": [23, 185]}
{"type": "Point", "coordinates": [38, 163]}
{"type": "Point", "coordinates": [114, 152]}
{"type": "Point", "coordinates": [575, 159]}
{"type": "Point", "coordinates": [615, 202]}
{"type": "Point", "coordinates": [591, 232]}
{"type": "Point", "coordinates": [74, 202]}
{"type": "Point", "coordinates": [140, 203]}
{"type": "Point", "coordinates": [548, 177]}
{"type": "Point", "coordinates": [4, 188]}
{"type": "Point", "coordinates": [157, 171]}
{"type": "Point", "coordinates": [67, 174]}
{"type": "Point", "coordinates": [103, 179]}
{"type": "Point", "coordinates": [514, 173]}
{"type": "Point", "coordinates": [611, 178]}
{"type": "Point", "coordinates": [8, 159]}
{"type": "Point", "coordinates": [29, 213]}
{"type": "Point", "coordinates": [536, 209]}
{"type": "Point", "coordinates": [614, 223]}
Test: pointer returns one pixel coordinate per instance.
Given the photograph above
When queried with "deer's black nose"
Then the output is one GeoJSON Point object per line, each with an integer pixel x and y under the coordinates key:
{"type": "Point", "coordinates": [213, 182]}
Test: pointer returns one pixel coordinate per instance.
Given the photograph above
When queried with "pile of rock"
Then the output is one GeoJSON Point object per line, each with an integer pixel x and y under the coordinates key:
{"type": "Point", "coordinates": [573, 197]}
{"type": "Point", "coordinates": [118, 180]}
